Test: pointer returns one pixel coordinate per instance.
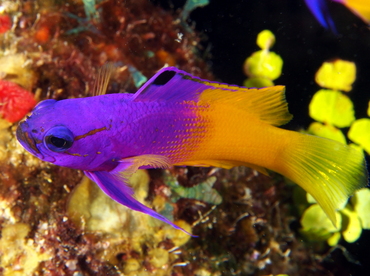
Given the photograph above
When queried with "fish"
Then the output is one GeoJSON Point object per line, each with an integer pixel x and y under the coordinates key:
{"type": "Point", "coordinates": [177, 119]}
{"type": "Point", "coordinates": [320, 9]}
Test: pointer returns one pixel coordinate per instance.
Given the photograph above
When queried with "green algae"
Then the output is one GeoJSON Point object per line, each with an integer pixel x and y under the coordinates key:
{"type": "Point", "coordinates": [202, 191]}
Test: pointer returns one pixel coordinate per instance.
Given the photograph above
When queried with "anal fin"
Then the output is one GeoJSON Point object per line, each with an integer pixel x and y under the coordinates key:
{"type": "Point", "coordinates": [114, 183]}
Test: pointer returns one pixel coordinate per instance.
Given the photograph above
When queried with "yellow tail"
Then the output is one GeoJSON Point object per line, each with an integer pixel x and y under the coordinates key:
{"type": "Point", "coordinates": [330, 171]}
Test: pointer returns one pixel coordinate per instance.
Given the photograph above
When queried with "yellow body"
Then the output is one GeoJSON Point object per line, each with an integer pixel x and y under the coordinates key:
{"type": "Point", "coordinates": [241, 130]}
{"type": "Point", "coordinates": [359, 7]}
{"type": "Point", "coordinates": [243, 139]}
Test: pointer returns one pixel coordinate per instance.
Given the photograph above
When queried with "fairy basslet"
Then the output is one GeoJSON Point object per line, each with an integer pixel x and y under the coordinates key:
{"type": "Point", "coordinates": [179, 119]}
{"type": "Point", "coordinates": [320, 10]}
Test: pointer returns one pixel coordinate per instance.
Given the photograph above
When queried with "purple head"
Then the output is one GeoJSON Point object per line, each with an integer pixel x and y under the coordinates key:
{"type": "Point", "coordinates": [66, 133]}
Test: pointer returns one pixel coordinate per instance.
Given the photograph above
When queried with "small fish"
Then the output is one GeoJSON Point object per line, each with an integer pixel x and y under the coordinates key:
{"type": "Point", "coordinates": [320, 10]}
{"type": "Point", "coordinates": [179, 119]}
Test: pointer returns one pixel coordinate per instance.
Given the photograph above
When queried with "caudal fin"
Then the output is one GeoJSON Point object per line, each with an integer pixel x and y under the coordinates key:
{"type": "Point", "coordinates": [330, 171]}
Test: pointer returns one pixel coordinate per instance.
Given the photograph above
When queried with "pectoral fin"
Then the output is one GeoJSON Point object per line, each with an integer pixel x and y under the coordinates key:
{"type": "Point", "coordinates": [129, 165]}
{"type": "Point", "coordinates": [114, 183]}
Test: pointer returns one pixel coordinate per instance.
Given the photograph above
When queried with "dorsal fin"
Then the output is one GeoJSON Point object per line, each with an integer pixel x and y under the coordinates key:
{"type": "Point", "coordinates": [171, 84]}
{"type": "Point", "coordinates": [102, 79]}
{"type": "Point", "coordinates": [265, 104]}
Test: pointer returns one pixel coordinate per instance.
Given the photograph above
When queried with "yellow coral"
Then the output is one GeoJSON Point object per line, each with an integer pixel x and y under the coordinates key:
{"type": "Point", "coordinates": [265, 39]}
{"type": "Point", "coordinates": [263, 64]}
{"type": "Point", "coordinates": [15, 68]}
{"type": "Point", "coordinates": [316, 225]}
{"type": "Point", "coordinates": [91, 209]}
{"type": "Point", "coordinates": [158, 257]}
{"type": "Point", "coordinates": [257, 82]}
{"type": "Point", "coordinates": [352, 219]}
{"type": "Point", "coordinates": [19, 256]}
{"type": "Point", "coordinates": [361, 203]}
{"type": "Point", "coordinates": [327, 131]}
{"type": "Point", "coordinates": [337, 75]}
{"type": "Point", "coordinates": [131, 265]}
{"type": "Point", "coordinates": [179, 238]}
{"type": "Point", "coordinates": [352, 226]}
{"type": "Point", "coordinates": [360, 133]}
{"type": "Point", "coordinates": [334, 239]}
{"type": "Point", "coordinates": [332, 107]}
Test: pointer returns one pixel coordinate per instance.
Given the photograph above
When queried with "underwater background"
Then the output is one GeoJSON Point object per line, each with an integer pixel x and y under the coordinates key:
{"type": "Point", "coordinates": [56, 222]}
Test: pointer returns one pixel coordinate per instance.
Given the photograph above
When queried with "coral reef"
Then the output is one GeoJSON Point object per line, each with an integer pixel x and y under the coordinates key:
{"type": "Point", "coordinates": [65, 48]}
{"type": "Point", "coordinates": [54, 49]}
{"type": "Point", "coordinates": [56, 222]}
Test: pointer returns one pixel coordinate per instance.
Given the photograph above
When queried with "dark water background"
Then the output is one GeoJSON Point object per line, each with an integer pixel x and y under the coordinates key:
{"type": "Point", "coordinates": [231, 27]}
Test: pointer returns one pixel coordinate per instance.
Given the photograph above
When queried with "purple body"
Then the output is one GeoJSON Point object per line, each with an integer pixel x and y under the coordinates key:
{"type": "Point", "coordinates": [105, 129]}
{"type": "Point", "coordinates": [109, 128]}
{"type": "Point", "coordinates": [108, 134]}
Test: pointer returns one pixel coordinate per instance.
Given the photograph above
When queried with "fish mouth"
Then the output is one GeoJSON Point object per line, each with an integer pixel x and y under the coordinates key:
{"type": "Point", "coordinates": [26, 140]}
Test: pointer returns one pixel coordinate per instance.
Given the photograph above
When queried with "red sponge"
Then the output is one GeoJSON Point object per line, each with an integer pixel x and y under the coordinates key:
{"type": "Point", "coordinates": [15, 102]}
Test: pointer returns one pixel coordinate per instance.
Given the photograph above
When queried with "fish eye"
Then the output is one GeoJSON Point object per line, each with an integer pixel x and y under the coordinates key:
{"type": "Point", "coordinates": [59, 139]}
